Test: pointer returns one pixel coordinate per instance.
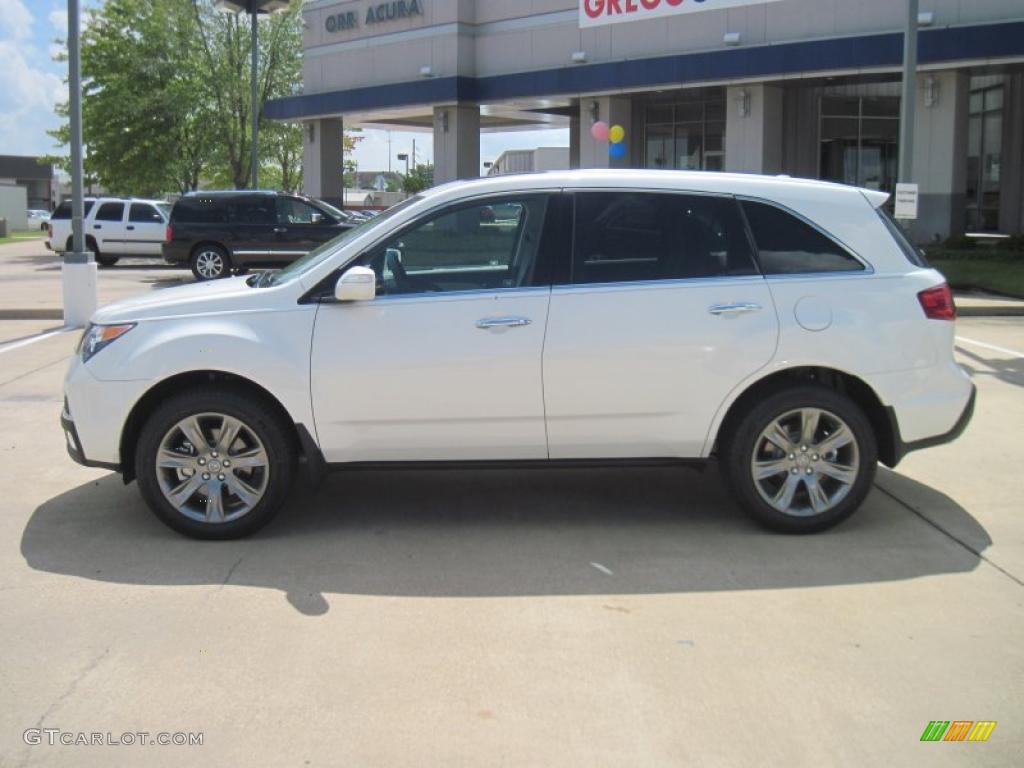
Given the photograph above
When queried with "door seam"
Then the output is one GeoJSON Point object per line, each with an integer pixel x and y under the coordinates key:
{"type": "Point", "coordinates": [543, 391]}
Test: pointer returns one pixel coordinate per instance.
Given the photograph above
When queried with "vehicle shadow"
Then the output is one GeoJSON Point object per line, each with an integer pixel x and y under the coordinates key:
{"type": "Point", "coordinates": [1010, 370]}
{"type": "Point", "coordinates": [501, 533]}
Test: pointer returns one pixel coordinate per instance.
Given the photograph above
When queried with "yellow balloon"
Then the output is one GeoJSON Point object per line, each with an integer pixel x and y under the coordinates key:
{"type": "Point", "coordinates": [617, 134]}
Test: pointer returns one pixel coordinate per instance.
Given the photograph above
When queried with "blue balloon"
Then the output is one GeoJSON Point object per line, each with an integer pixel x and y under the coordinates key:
{"type": "Point", "coordinates": [617, 151]}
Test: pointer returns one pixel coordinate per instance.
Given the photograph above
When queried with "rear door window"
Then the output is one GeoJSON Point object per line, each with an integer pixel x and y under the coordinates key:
{"type": "Point", "coordinates": [199, 210]}
{"type": "Point", "coordinates": [786, 245]}
{"type": "Point", "coordinates": [144, 213]}
{"type": "Point", "coordinates": [633, 236]}
{"type": "Point", "coordinates": [252, 209]}
{"type": "Point", "coordinates": [110, 212]}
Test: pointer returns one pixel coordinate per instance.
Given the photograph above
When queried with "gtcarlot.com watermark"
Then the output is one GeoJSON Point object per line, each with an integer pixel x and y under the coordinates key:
{"type": "Point", "coordinates": [55, 736]}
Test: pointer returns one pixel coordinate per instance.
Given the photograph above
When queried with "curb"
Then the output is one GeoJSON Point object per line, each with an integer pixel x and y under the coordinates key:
{"type": "Point", "coordinates": [990, 311]}
{"type": "Point", "coordinates": [39, 313]}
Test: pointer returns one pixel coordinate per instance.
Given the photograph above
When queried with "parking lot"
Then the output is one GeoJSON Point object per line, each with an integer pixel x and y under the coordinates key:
{"type": "Point", "coordinates": [513, 617]}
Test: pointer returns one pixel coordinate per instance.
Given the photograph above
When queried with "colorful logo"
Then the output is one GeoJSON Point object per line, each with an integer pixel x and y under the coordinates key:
{"type": "Point", "coordinates": [958, 730]}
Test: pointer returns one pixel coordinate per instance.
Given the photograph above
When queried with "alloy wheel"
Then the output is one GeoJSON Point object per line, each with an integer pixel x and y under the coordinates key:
{"type": "Point", "coordinates": [210, 264]}
{"type": "Point", "coordinates": [212, 468]}
{"type": "Point", "coordinates": [805, 462]}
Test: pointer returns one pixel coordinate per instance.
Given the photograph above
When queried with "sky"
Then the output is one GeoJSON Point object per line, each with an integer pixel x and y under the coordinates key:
{"type": "Point", "coordinates": [31, 84]}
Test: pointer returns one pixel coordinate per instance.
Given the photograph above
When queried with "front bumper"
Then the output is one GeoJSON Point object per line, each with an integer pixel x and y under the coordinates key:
{"type": "Point", "coordinates": [74, 445]}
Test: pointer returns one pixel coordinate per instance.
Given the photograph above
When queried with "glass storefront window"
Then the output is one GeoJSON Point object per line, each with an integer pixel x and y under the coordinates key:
{"type": "Point", "coordinates": [860, 140]}
{"type": "Point", "coordinates": [984, 157]}
{"type": "Point", "coordinates": [687, 136]}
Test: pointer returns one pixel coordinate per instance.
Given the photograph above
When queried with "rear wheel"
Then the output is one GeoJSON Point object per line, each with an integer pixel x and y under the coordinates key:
{"type": "Point", "coordinates": [801, 460]}
{"type": "Point", "coordinates": [214, 464]}
{"type": "Point", "coordinates": [210, 262]}
{"type": "Point", "coordinates": [101, 259]}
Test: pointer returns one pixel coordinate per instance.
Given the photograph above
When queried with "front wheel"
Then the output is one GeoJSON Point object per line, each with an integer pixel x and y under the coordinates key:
{"type": "Point", "coordinates": [801, 460]}
{"type": "Point", "coordinates": [214, 464]}
{"type": "Point", "coordinates": [210, 262]}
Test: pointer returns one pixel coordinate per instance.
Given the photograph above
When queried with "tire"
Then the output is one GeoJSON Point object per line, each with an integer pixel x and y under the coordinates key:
{"type": "Point", "coordinates": [253, 494]}
{"type": "Point", "coordinates": [90, 245]}
{"type": "Point", "coordinates": [826, 486]}
{"type": "Point", "coordinates": [210, 262]}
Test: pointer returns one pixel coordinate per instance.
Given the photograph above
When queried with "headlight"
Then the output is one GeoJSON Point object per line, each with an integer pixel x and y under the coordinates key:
{"type": "Point", "coordinates": [96, 337]}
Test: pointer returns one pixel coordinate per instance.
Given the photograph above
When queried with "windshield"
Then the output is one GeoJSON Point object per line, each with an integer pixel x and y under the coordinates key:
{"type": "Point", "coordinates": [300, 267]}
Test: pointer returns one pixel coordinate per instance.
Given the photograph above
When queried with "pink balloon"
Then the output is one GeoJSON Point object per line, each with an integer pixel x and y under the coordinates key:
{"type": "Point", "coordinates": [599, 131]}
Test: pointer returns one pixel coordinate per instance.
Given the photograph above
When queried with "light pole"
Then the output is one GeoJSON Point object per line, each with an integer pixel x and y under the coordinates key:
{"type": "Point", "coordinates": [78, 272]}
{"type": "Point", "coordinates": [909, 100]}
{"type": "Point", "coordinates": [254, 8]}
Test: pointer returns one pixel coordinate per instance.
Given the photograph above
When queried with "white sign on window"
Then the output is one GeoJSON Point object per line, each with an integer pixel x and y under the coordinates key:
{"type": "Point", "coordinates": [906, 201]}
{"type": "Point", "coordinates": [595, 13]}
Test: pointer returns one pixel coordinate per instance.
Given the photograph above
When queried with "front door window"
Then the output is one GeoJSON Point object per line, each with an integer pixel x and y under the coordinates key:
{"type": "Point", "coordinates": [481, 246]}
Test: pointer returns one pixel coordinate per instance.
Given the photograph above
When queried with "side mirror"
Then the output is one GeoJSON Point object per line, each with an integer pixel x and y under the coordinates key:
{"type": "Point", "coordinates": [316, 218]}
{"type": "Point", "coordinates": [357, 284]}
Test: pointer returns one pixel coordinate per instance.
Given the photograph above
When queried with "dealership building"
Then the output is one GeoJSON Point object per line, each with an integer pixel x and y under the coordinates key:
{"type": "Point", "coordinates": [809, 88]}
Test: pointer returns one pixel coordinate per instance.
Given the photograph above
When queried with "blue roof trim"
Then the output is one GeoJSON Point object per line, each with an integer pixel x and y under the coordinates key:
{"type": "Point", "coordinates": [884, 50]}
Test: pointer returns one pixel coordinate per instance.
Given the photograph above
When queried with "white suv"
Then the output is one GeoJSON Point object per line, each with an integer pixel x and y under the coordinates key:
{"type": "Point", "coordinates": [113, 227]}
{"type": "Point", "coordinates": [784, 326]}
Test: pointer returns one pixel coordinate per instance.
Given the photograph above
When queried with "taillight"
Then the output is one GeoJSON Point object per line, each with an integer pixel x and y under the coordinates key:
{"type": "Point", "coordinates": [937, 303]}
{"type": "Point", "coordinates": [169, 235]}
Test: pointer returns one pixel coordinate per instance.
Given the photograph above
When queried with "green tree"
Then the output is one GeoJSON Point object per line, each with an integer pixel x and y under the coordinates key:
{"type": "Point", "coordinates": [419, 178]}
{"type": "Point", "coordinates": [226, 49]}
{"type": "Point", "coordinates": [166, 96]}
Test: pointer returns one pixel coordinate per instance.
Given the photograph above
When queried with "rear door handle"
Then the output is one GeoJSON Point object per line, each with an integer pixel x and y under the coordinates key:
{"type": "Point", "coordinates": [731, 310]}
{"type": "Point", "coordinates": [502, 322]}
{"type": "Point", "coordinates": [130, 227]}
{"type": "Point", "coordinates": [279, 230]}
{"type": "Point", "coordinates": [97, 226]}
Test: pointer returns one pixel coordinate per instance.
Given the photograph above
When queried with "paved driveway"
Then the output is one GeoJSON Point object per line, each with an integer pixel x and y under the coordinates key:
{"type": "Point", "coordinates": [519, 618]}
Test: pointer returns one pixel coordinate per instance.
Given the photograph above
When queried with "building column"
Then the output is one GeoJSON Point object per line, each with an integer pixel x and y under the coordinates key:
{"type": "Point", "coordinates": [574, 141]}
{"type": "Point", "coordinates": [940, 154]}
{"type": "Point", "coordinates": [614, 110]}
{"type": "Point", "coordinates": [322, 158]}
{"type": "Point", "coordinates": [753, 129]}
{"type": "Point", "coordinates": [456, 142]}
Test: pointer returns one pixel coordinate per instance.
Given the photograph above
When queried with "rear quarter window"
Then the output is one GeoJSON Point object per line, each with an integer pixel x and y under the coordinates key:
{"type": "Point", "coordinates": [788, 246]}
{"type": "Point", "coordinates": [914, 255]}
{"type": "Point", "coordinates": [63, 211]}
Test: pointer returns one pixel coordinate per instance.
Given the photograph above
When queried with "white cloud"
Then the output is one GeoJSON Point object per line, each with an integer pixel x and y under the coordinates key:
{"type": "Point", "coordinates": [27, 97]}
{"type": "Point", "coordinates": [15, 20]}
{"type": "Point", "coordinates": [59, 20]}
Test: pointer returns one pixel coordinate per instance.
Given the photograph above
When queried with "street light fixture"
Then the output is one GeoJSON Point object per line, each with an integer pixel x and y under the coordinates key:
{"type": "Point", "coordinates": [404, 156]}
{"type": "Point", "coordinates": [254, 8]}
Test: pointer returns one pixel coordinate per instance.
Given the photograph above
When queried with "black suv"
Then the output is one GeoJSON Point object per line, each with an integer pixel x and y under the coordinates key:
{"type": "Point", "coordinates": [217, 233]}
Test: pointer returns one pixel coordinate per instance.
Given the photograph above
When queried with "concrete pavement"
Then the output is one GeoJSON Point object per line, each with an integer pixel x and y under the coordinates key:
{"type": "Point", "coordinates": [516, 618]}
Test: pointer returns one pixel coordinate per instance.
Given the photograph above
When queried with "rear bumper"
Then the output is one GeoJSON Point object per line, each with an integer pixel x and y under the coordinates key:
{"type": "Point", "coordinates": [175, 253]}
{"type": "Point", "coordinates": [902, 448]}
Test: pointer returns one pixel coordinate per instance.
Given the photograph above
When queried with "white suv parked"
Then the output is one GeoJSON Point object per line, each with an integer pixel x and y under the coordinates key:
{"type": "Point", "coordinates": [113, 227]}
{"type": "Point", "coordinates": [784, 326]}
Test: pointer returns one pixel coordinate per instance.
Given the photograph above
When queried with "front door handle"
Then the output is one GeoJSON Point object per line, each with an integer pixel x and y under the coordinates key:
{"type": "Point", "coordinates": [280, 230]}
{"type": "Point", "coordinates": [502, 322]}
{"type": "Point", "coordinates": [130, 227]}
{"type": "Point", "coordinates": [731, 310]}
{"type": "Point", "coordinates": [97, 226]}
